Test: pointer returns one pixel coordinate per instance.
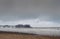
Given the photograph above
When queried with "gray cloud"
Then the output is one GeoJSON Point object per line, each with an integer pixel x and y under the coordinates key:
{"type": "Point", "coordinates": [28, 9]}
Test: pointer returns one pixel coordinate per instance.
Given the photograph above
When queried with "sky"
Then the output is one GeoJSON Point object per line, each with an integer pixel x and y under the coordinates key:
{"type": "Point", "coordinates": [37, 13]}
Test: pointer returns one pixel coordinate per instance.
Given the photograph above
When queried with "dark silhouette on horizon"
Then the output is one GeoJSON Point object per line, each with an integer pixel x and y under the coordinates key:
{"type": "Point", "coordinates": [23, 26]}
{"type": "Point", "coordinates": [6, 26]}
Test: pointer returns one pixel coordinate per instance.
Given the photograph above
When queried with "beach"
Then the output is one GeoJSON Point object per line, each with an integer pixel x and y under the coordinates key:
{"type": "Point", "coordinates": [10, 35]}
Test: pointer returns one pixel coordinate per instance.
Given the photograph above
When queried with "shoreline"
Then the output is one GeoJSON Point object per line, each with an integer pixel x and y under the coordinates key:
{"type": "Point", "coordinates": [13, 35]}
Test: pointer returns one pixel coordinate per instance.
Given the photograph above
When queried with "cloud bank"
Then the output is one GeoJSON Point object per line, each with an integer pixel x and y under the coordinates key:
{"type": "Point", "coordinates": [38, 22]}
{"type": "Point", "coordinates": [37, 13]}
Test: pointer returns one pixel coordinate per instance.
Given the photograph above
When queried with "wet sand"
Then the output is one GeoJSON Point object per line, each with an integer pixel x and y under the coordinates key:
{"type": "Point", "coordinates": [9, 35]}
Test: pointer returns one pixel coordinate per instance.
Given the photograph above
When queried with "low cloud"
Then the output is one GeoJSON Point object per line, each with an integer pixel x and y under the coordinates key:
{"type": "Point", "coordinates": [38, 22]}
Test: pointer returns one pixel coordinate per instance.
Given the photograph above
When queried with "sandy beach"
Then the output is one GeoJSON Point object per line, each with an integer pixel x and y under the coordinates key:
{"type": "Point", "coordinates": [9, 35]}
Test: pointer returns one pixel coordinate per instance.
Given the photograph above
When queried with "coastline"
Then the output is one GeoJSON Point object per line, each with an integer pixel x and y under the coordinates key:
{"type": "Point", "coordinates": [10, 35]}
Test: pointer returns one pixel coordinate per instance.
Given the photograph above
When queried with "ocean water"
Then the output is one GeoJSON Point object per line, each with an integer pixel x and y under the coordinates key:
{"type": "Point", "coordinates": [38, 31]}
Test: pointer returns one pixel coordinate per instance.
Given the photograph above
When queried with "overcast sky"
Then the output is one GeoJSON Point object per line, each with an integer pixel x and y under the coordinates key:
{"type": "Point", "coordinates": [17, 10]}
